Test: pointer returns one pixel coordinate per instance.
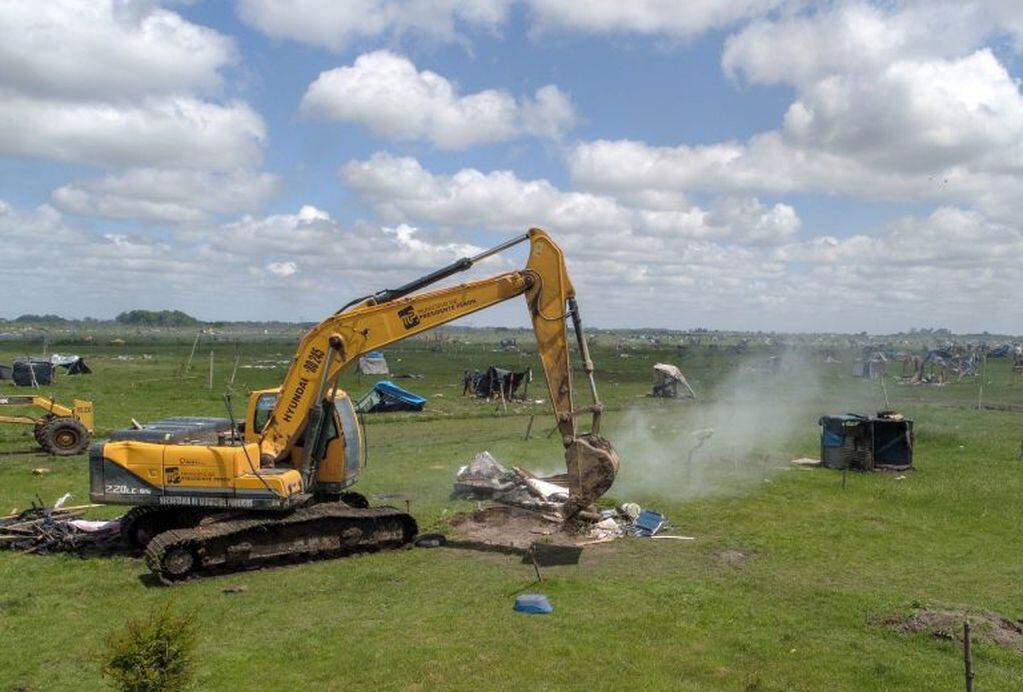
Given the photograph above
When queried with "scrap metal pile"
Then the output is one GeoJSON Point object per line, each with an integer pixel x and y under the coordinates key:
{"type": "Point", "coordinates": [42, 529]}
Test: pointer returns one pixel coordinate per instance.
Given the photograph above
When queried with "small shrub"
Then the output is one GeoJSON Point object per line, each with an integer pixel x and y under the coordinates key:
{"type": "Point", "coordinates": [152, 654]}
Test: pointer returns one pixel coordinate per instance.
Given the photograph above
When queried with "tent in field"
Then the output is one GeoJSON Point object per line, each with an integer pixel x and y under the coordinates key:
{"type": "Point", "coordinates": [373, 363]}
{"type": "Point", "coordinates": [495, 382]}
{"type": "Point", "coordinates": [670, 383]}
{"type": "Point", "coordinates": [387, 396]}
{"type": "Point", "coordinates": [74, 365]}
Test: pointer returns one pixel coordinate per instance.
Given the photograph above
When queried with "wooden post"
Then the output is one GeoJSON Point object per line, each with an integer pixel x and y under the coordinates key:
{"type": "Point", "coordinates": [536, 565]}
{"type": "Point", "coordinates": [191, 355]}
{"type": "Point", "coordinates": [529, 426]}
{"type": "Point", "coordinates": [211, 369]}
{"type": "Point", "coordinates": [980, 390]}
{"type": "Point", "coordinates": [234, 370]}
{"type": "Point", "coordinates": [967, 657]}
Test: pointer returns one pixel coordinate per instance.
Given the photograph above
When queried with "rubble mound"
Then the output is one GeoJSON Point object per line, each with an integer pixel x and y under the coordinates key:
{"type": "Point", "coordinates": [513, 528]}
{"type": "Point", "coordinates": [947, 624]}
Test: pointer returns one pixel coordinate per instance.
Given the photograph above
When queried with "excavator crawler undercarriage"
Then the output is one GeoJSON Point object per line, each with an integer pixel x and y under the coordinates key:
{"type": "Point", "coordinates": [324, 530]}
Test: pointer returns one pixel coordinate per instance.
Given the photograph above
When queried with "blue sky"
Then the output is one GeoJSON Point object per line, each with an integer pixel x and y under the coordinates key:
{"type": "Point", "coordinates": [763, 164]}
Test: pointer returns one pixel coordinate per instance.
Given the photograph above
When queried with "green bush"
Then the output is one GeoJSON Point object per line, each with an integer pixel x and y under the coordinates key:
{"type": "Point", "coordinates": [152, 654]}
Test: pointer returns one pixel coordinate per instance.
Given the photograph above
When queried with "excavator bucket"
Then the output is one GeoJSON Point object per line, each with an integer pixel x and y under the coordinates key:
{"type": "Point", "coordinates": [592, 466]}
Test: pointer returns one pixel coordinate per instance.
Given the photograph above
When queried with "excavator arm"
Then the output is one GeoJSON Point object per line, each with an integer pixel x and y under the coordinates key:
{"type": "Point", "coordinates": [392, 315]}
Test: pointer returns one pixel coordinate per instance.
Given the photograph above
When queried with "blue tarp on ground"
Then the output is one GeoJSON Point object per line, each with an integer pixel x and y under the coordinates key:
{"type": "Point", "coordinates": [387, 396]}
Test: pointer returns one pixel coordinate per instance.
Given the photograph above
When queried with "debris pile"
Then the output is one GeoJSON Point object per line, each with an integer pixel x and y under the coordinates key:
{"type": "Point", "coordinates": [42, 529]}
{"type": "Point", "coordinates": [523, 508]}
{"type": "Point", "coordinates": [485, 478]}
{"type": "Point", "coordinates": [630, 520]}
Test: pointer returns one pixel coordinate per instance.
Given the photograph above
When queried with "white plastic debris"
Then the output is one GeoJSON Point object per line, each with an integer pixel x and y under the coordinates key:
{"type": "Point", "coordinates": [551, 492]}
{"type": "Point", "coordinates": [630, 510]}
{"type": "Point", "coordinates": [64, 498]}
{"type": "Point", "coordinates": [606, 529]}
{"type": "Point", "coordinates": [94, 526]}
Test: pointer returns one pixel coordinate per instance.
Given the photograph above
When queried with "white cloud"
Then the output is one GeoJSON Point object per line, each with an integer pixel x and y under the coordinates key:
{"type": "Point", "coordinates": [93, 49]}
{"type": "Point", "coordinates": [180, 132]}
{"type": "Point", "coordinates": [549, 114]}
{"type": "Point", "coordinates": [401, 189]}
{"type": "Point", "coordinates": [166, 194]}
{"type": "Point", "coordinates": [900, 104]}
{"type": "Point", "coordinates": [957, 266]}
{"type": "Point", "coordinates": [386, 93]}
{"type": "Point", "coordinates": [307, 249]}
{"type": "Point", "coordinates": [948, 240]}
{"type": "Point", "coordinates": [119, 83]}
{"type": "Point", "coordinates": [753, 222]}
{"type": "Point", "coordinates": [282, 268]}
{"type": "Point", "coordinates": [335, 24]}
{"type": "Point", "coordinates": [915, 116]}
{"type": "Point", "coordinates": [737, 263]}
{"type": "Point", "coordinates": [669, 17]}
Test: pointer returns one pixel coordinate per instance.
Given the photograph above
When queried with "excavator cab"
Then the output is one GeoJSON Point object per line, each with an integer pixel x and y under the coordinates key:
{"type": "Point", "coordinates": [344, 452]}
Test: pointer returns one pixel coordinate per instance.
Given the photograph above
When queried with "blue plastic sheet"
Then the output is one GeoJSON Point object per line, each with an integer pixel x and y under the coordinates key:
{"type": "Point", "coordinates": [533, 604]}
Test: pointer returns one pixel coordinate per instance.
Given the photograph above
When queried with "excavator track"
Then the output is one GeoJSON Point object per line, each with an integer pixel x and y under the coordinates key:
{"type": "Point", "coordinates": [323, 530]}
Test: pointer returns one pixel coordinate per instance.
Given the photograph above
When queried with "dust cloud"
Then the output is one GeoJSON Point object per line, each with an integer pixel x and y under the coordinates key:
{"type": "Point", "coordinates": [730, 440]}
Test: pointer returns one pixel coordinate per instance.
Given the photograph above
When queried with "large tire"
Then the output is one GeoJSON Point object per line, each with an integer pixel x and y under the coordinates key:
{"type": "Point", "coordinates": [40, 427]}
{"type": "Point", "coordinates": [64, 437]}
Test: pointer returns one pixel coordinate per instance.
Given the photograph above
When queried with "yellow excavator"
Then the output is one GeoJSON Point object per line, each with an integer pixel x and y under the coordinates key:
{"type": "Point", "coordinates": [211, 494]}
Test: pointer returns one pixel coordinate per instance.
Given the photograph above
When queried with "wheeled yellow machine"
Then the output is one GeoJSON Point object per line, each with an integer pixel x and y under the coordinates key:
{"type": "Point", "coordinates": [61, 430]}
{"type": "Point", "coordinates": [211, 493]}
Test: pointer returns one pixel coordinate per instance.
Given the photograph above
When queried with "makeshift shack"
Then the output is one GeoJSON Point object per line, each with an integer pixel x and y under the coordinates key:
{"type": "Point", "coordinates": [387, 396]}
{"type": "Point", "coordinates": [670, 383]}
{"type": "Point", "coordinates": [872, 367]}
{"type": "Point", "coordinates": [373, 363]}
{"type": "Point", "coordinates": [495, 382]}
{"type": "Point", "coordinates": [862, 443]}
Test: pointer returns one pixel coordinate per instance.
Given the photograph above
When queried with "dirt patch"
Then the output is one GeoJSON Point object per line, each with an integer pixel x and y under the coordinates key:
{"type": "Point", "coordinates": [986, 626]}
{"type": "Point", "coordinates": [511, 528]}
{"type": "Point", "coordinates": [733, 556]}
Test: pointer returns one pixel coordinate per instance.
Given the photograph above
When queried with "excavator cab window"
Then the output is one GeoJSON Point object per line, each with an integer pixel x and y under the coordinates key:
{"type": "Point", "coordinates": [264, 407]}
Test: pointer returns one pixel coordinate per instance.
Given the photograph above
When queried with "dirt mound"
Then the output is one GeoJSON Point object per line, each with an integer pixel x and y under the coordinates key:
{"type": "Point", "coordinates": [513, 528]}
{"type": "Point", "coordinates": [948, 624]}
{"type": "Point", "coordinates": [733, 556]}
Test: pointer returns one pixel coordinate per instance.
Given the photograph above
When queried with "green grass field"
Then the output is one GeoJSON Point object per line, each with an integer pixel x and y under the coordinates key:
{"type": "Point", "coordinates": [786, 587]}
